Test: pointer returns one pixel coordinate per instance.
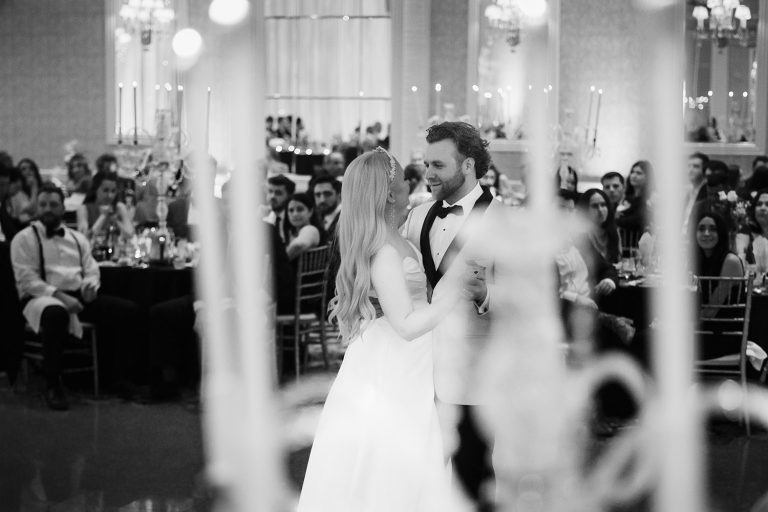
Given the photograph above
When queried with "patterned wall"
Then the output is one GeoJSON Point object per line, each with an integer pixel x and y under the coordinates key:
{"type": "Point", "coordinates": [52, 65]}
{"type": "Point", "coordinates": [448, 53]}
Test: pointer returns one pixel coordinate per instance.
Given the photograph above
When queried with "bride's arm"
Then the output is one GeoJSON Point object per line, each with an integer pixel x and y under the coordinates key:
{"type": "Point", "coordinates": [389, 282]}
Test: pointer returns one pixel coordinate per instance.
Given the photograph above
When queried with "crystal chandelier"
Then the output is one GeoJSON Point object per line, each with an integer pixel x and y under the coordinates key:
{"type": "Point", "coordinates": [144, 16]}
{"type": "Point", "coordinates": [505, 16]}
{"type": "Point", "coordinates": [722, 26]}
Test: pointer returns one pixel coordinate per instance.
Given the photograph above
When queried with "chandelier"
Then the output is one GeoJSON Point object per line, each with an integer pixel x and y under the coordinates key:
{"type": "Point", "coordinates": [722, 16]}
{"type": "Point", "coordinates": [505, 16]}
{"type": "Point", "coordinates": [144, 16]}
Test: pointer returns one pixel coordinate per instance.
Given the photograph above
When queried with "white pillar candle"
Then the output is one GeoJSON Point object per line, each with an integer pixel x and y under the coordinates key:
{"type": "Point", "coordinates": [135, 116]}
{"type": "Point", "coordinates": [120, 113]}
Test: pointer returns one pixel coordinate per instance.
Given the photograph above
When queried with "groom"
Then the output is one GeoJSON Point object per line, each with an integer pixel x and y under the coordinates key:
{"type": "Point", "coordinates": [456, 157]}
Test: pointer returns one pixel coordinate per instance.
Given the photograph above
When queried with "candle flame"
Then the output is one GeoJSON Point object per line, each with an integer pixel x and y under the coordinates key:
{"type": "Point", "coordinates": [120, 85]}
{"type": "Point", "coordinates": [414, 88]}
{"type": "Point", "coordinates": [438, 87]}
{"type": "Point", "coordinates": [209, 89]}
{"type": "Point", "coordinates": [599, 91]}
{"type": "Point", "coordinates": [157, 87]}
{"type": "Point", "coordinates": [180, 88]}
{"type": "Point", "coordinates": [592, 88]}
{"type": "Point", "coordinates": [135, 84]}
{"type": "Point", "coordinates": [167, 87]}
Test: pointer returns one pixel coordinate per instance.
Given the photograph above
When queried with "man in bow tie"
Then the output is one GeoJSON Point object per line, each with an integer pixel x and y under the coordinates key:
{"type": "Point", "coordinates": [58, 283]}
{"type": "Point", "coordinates": [456, 158]}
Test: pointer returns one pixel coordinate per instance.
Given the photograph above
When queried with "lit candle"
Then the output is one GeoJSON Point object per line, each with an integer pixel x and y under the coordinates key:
{"type": "Point", "coordinates": [589, 114]}
{"type": "Point", "coordinates": [478, 103]}
{"type": "Point", "coordinates": [207, 120]}
{"type": "Point", "coordinates": [597, 116]}
{"type": "Point", "coordinates": [180, 104]}
{"type": "Point", "coordinates": [438, 88]}
{"type": "Point", "coordinates": [415, 91]}
{"type": "Point", "coordinates": [120, 113]}
{"type": "Point", "coordinates": [168, 90]}
{"type": "Point", "coordinates": [157, 96]}
{"type": "Point", "coordinates": [135, 117]}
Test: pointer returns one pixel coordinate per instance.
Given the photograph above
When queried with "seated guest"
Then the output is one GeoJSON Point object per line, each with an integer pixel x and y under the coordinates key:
{"type": "Point", "coordinates": [145, 214]}
{"type": "Point", "coordinates": [600, 247]}
{"type": "Point", "coordinates": [418, 192]}
{"type": "Point", "coordinates": [58, 283]}
{"type": "Point", "coordinates": [632, 212]}
{"type": "Point", "coordinates": [567, 178]}
{"type": "Point", "coordinates": [716, 177]}
{"type": "Point", "coordinates": [303, 234]}
{"type": "Point", "coordinates": [31, 182]}
{"type": "Point", "coordinates": [758, 181]}
{"type": "Point", "coordinates": [9, 226]}
{"type": "Point", "coordinates": [101, 209]}
{"type": "Point", "coordinates": [697, 191]}
{"type": "Point", "coordinates": [334, 164]}
{"type": "Point", "coordinates": [491, 180]}
{"type": "Point", "coordinates": [279, 189]}
{"type": "Point", "coordinates": [79, 177]}
{"type": "Point", "coordinates": [106, 162]}
{"type": "Point", "coordinates": [757, 250]}
{"type": "Point", "coordinates": [613, 186]}
{"type": "Point", "coordinates": [326, 191]}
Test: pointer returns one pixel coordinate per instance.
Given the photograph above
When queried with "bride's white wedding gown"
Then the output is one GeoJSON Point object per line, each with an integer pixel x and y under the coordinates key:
{"type": "Point", "coordinates": [378, 445]}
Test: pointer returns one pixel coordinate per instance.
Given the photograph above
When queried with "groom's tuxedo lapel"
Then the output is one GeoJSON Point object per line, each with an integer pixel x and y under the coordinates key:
{"type": "Point", "coordinates": [458, 241]}
{"type": "Point", "coordinates": [435, 274]}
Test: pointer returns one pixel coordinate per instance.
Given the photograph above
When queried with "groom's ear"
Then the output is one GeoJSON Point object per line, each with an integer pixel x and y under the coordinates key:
{"type": "Point", "coordinates": [469, 165]}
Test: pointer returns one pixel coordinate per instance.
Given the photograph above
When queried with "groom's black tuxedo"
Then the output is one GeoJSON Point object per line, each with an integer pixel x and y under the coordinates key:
{"type": "Point", "coordinates": [472, 459]}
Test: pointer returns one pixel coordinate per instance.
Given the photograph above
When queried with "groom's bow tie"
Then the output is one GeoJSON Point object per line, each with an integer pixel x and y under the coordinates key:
{"type": "Point", "coordinates": [51, 232]}
{"type": "Point", "coordinates": [448, 210]}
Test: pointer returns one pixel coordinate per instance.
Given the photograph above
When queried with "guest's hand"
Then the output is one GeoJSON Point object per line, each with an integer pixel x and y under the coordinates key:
{"type": "Point", "coordinates": [71, 304]}
{"type": "Point", "coordinates": [605, 287]}
{"type": "Point", "coordinates": [89, 293]}
{"type": "Point", "coordinates": [105, 210]}
{"type": "Point", "coordinates": [475, 288]}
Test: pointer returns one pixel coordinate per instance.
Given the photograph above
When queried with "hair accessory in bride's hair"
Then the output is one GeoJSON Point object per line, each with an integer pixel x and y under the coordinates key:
{"type": "Point", "coordinates": [392, 166]}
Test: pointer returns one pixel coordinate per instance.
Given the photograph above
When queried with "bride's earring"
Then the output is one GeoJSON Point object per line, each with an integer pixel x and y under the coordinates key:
{"type": "Point", "coordinates": [391, 218]}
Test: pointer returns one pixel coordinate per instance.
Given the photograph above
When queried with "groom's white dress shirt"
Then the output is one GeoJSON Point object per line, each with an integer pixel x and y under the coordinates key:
{"type": "Point", "coordinates": [443, 231]}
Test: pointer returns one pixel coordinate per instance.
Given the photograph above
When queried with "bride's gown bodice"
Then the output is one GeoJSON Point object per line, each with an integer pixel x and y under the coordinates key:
{"type": "Point", "coordinates": [378, 446]}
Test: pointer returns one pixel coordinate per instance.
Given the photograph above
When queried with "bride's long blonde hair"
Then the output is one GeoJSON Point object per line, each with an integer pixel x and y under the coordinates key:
{"type": "Point", "coordinates": [362, 231]}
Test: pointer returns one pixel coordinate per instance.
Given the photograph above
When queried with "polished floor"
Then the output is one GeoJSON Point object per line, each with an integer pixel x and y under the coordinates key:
{"type": "Point", "coordinates": [110, 455]}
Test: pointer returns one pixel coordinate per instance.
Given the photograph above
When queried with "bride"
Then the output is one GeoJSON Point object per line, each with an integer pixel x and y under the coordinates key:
{"type": "Point", "coordinates": [378, 445]}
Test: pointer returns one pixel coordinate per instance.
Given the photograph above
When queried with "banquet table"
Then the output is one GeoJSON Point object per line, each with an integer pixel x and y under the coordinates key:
{"type": "Point", "coordinates": [633, 300]}
{"type": "Point", "coordinates": [146, 286]}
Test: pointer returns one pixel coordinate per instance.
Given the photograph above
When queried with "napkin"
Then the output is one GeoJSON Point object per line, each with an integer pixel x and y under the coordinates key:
{"type": "Point", "coordinates": [760, 249]}
{"type": "Point", "coordinates": [646, 246]}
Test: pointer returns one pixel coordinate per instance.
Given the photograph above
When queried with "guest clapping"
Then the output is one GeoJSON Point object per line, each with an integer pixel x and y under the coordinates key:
{"type": "Point", "coordinates": [303, 234]}
{"type": "Point", "coordinates": [101, 208]}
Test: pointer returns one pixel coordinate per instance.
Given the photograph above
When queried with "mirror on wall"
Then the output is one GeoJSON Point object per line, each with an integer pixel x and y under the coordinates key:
{"type": "Point", "coordinates": [328, 74]}
{"type": "Point", "coordinates": [724, 89]}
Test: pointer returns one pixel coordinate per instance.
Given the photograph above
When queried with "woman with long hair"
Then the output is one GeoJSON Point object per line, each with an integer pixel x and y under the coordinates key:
{"type": "Point", "coordinates": [24, 201]}
{"type": "Point", "coordinates": [757, 214]}
{"type": "Point", "coordinates": [378, 445]}
{"type": "Point", "coordinates": [600, 246]}
{"type": "Point", "coordinates": [101, 209]}
{"type": "Point", "coordinates": [632, 213]}
{"type": "Point", "coordinates": [302, 233]}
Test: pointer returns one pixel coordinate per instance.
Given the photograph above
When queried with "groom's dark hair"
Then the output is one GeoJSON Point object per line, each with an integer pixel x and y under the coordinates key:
{"type": "Point", "coordinates": [468, 142]}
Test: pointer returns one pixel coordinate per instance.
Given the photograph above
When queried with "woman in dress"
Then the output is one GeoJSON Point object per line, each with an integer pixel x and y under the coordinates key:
{"type": "Point", "coordinates": [101, 209]}
{"type": "Point", "coordinates": [632, 213]}
{"type": "Point", "coordinates": [302, 234]}
{"type": "Point", "coordinates": [600, 247]}
{"type": "Point", "coordinates": [24, 202]}
{"type": "Point", "coordinates": [757, 250]}
{"type": "Point", "coordinates": [378, 445]}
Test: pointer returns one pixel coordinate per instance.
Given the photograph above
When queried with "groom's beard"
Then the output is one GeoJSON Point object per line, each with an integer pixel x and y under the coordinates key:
{"type": "Point", "coordinates": [447, 188]}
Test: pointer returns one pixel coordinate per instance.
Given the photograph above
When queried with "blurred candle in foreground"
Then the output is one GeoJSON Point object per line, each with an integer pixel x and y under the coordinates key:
{"type": "Point", "coordinates": [120, 113]}
{"type": "Point", "coordinates": [135, 116]}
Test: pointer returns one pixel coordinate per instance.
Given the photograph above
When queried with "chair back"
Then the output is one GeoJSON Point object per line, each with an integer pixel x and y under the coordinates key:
{"type": "Point", "coordinates": [628, 240]}
{"type": "Point", "coordinates": [310, 280]}
{"type": "Point", "coordinates": [725, 304]}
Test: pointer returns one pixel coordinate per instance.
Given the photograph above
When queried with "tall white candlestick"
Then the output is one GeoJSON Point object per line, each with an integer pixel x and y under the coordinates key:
{"type": "Point", "coordinates": [157, 97]}
{"type": "Point", "coordinates": [438, 88]}
{"type": "Point", "coordinates": [207, 120]}
{"type": "Point", "coordinates": [179, 107]}
{"type": "Point", "coordinates": [597, 116]}
{"type": "Point", "coordinates": [589, 114]}
{"type": "Point", "coordinates": [135, 117]}
{"type": "Point", "coordinates": [120, 113]}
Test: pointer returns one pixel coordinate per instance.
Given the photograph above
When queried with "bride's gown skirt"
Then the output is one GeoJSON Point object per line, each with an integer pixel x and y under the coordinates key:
{"type": "Point", "coordinates": [378, 445]}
